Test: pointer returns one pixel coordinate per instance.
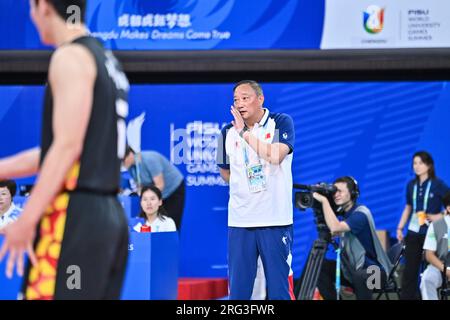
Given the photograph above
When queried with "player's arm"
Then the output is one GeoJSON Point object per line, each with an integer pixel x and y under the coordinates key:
{"type": "Point", "coordinates": [72, 75]}
{"type": "Point", "coordinates": [23, 164]}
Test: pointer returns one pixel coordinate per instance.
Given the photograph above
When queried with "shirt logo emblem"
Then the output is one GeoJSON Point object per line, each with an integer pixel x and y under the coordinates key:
{"type": "Point", "coordinates": [285, 135]}
{"type": "Point", "coordinates": [268, 135]}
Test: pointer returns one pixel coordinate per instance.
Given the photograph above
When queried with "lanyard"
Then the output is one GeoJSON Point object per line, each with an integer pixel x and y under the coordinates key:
{"type": "Point", "coordinates": [245, 151]}
{"type": "Point", "coordinates": [338, 270]}
{"type": "Point", "coordinates": [245, 146]}
{"type": "Point", "coordinates": [425, 200]}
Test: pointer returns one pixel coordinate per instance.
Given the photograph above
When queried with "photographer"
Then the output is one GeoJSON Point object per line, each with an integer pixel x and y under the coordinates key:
{"type": "Point", "coordinates": [361, 246]}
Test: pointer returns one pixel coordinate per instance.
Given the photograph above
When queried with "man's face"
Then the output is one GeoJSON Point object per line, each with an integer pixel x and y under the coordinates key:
{"type": "Point", "coordinates": [39, 15]}
{"type": "Point", "coordinates": [246, 101]}
{"type": "Point", "coordinates": [5, 199]}
{"type": "Point", "coordinates": [342, 195]}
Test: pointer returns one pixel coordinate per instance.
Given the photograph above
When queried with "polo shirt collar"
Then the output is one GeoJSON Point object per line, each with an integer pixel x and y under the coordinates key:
{"type": "Point", "coordinates": [9, 211]}
{"type": "Point", "coordinates": [423, 183]}
{"type": "Point", "coordinates": [264, 119]}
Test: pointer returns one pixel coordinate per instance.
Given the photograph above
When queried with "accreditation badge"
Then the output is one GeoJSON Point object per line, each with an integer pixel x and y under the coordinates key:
{"type": "Point", "coordinates": [414, 223]}
{"type": "Point", "coordinates": [256, 178]}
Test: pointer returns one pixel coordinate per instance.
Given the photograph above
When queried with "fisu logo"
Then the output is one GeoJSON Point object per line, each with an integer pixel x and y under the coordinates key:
{"type": "Point", "coordinates": [373, 19]}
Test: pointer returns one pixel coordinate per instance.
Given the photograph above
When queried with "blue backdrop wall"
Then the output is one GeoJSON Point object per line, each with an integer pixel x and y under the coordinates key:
{"type": "Point", "coordinates": [367, 129]}
{"type": "Point", "coordinates": [183, 25]}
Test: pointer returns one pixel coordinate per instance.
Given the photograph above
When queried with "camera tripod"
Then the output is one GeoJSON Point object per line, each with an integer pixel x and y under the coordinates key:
{"type": "Point", "coordinates": [314, 263]}
{"type": "Point", "coordinates": [312, 268]}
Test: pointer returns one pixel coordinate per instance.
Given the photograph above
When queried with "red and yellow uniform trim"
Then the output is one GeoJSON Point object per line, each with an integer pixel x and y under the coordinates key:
{"type": "Point", "coordinates": [42, 277]}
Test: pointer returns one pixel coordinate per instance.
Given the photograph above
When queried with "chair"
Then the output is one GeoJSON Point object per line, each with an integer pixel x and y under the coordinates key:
{"type": "Point", "coordinates": [395, 254]}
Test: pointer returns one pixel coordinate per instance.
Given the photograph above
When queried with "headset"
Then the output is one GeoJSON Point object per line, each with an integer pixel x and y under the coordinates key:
{"type": "Point", "coordinates": [353, 187]}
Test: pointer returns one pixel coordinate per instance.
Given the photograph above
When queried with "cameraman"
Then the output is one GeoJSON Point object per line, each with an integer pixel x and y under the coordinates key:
{"type": "Point", "coordinates": [361, 246]}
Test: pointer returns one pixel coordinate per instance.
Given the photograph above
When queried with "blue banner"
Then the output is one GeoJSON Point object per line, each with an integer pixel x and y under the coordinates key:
{"type": "Point", "coordinates": [247, 25]}
{"type": "Point", "coordinates": [183, 25]}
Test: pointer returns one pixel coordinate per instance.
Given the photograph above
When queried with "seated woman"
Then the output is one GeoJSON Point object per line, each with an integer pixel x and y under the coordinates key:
{"type": "Point", "coordinates": [153, 212]}
{"type": "Point", "coordinates": [8, 211]}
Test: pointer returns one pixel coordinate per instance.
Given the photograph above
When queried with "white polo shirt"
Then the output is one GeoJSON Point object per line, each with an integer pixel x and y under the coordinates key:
{"type": "Point", "coordinates": [159, 225]}
{"type": "Point", "coordinates": [10, 216]}
{"type": "Point", "coordinates": [273, 206]}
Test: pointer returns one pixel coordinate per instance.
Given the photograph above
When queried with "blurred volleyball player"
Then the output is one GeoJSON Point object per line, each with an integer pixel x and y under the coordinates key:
{"type": "Point", "coordinates": [80, 247]}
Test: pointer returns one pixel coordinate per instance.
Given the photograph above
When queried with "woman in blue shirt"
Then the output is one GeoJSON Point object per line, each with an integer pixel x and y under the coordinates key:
{"type": "Point", "coordinates": [423, 205]}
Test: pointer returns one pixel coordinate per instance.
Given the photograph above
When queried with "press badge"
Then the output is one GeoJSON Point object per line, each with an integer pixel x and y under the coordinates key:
{"type": "Point", "coordinates": [256, 178]}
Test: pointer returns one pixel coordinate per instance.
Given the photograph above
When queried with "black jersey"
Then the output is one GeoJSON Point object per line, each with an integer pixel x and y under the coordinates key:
{"type": "Point", "coordinates": [98, 168]}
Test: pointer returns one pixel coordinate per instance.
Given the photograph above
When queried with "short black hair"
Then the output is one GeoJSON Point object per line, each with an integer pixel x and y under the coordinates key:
{"type": "Point", "coordinates": [62, 6]}
{"type": "Point", "coordinates": [352, 186]}
{"type": "Point", "coordinates": [161, 211]}
{"type": "Point", "coordinates": [446, 199]}
{"type": "Point", "coordinates": [10, 185]}
{"type": "Point", "coordinates": [252, 83]}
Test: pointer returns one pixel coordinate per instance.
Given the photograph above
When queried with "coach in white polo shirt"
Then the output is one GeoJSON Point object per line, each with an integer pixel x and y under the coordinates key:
{"type": "Point", "coordinates": [255, 156]}
{"type": "Point", "coordinates": [8, 210]}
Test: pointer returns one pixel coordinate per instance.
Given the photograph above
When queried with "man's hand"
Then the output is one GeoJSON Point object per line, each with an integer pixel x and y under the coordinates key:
{"type": "Point", "coordinates": [331, 220]}
{"type": "Point", "coordinates": [19, 237]}
{"type": "Point", "coordinates": [238, 122]}
{"type": "Point", "coordinates": [319, 197]}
